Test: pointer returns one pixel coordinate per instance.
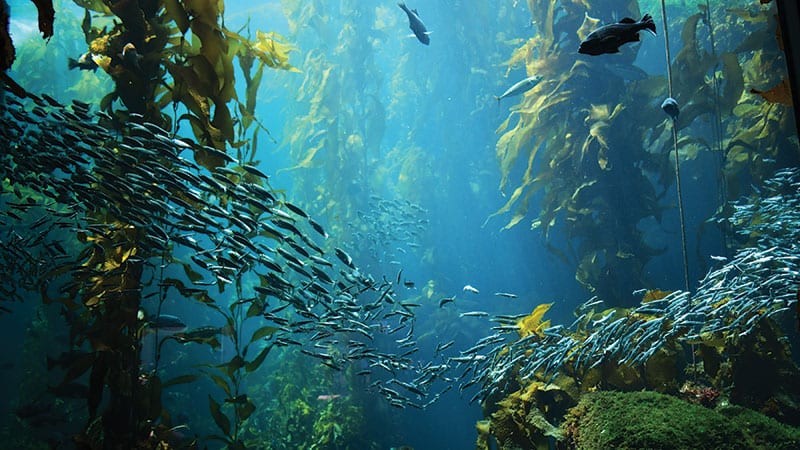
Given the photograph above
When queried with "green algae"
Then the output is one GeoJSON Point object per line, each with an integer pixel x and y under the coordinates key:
{"type": "Point", "coordinates": [651, 420]}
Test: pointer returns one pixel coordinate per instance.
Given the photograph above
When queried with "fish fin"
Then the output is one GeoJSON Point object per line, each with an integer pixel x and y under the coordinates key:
{"type": "Point", "coordinates": [627, 20]}
{"type": "Point", "coordinates": [72, 63]}
{"type": "Point", "coordinates": [649, 25]}
{"type": "Point", "coordinates": [415, 11]}
{"type": "Point", "coordinates": [498, 100]}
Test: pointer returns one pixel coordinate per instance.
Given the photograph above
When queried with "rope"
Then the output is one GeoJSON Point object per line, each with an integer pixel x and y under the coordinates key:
{"type": "Point", "coordinates": [723, 183]}
{"type": "Point", "coordinates": [675, 144]}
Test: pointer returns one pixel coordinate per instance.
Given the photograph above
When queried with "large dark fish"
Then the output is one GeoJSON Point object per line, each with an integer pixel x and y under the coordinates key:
{"type": "Point", "coordinates": [416, 25]}
{"type": "Point", "coordinates": [608, 38]}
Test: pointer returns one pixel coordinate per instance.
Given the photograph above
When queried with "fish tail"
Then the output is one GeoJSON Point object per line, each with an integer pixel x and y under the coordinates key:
{"type": "Point", "coordinates": [498, 100]}
{"type": "Point", "coordinates": [648, 23]}
{"type": "Point", "coordinates": [72, 63]}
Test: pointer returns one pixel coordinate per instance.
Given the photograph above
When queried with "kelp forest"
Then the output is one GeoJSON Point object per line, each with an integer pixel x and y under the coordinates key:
{"type": "Point", "coordinates": [297, 224]}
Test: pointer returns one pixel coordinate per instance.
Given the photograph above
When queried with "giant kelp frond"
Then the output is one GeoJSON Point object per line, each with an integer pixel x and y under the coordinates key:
{"type": "Point", "coordinates": [570, 131]}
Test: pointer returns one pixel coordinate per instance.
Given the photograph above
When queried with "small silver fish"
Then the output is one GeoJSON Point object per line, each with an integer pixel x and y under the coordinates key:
{"type": "Point", "coordinates": [520, 87]}
{"type": "Point", "coordinates": [469, 288]}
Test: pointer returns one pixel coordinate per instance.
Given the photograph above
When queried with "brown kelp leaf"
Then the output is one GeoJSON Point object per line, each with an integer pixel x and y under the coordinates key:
{"type": "Point", "coordinates": [780, 93]}
{"type": "Point", "coordinates": [46, 17]}
{"type": "Point", "coordinates": [734, 82]}
{"type": "Point", "coordinates": [177, 13]}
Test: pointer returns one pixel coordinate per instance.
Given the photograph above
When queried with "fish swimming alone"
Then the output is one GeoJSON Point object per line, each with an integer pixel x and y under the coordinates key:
{"type": "Point", "coordinates": [165, 322]}
{"type": "Point", "coordinates": [469, 288]}
{"type": "Point", "coordinates": [520, 87]}
{"type": "Point", "coordinates": [608, 38]}
{"type": "Point", "coordinates": [416, 25]}
{"type": "Point", "coordinates": [84, 62]}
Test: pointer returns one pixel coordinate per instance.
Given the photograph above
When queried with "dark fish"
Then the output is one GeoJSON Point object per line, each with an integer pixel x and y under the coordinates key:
{"type": "Point", "coordinates": [318, 228]}
{"type": "Point", "coordinates": [670, 106]}
{"type": "Point", "coordinates": [84, 62]}
{"type": "Point", "coordinates": [344, 257]}
{"type": "Point", "coordinates": [608, 38]}
{"type": "Point", "coordinates": [131, 56]}
{"type": "Point", "coordinates": [166, 322]}
{"type": "Point", "coordinates": [255, 171]}
{"type": "Point", "coordinates": [446, 300]}
{"type": "Point", "coordinates": [416, 25]}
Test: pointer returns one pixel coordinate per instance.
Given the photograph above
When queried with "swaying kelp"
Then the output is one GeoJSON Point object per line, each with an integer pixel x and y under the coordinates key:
{"type": "Point", "coordinates": [170, 53]}
{"type": "Point", "coordinates": [585, 163]}
{"type": "Point", "coordinates": [602, 170]}
{"type": "Point", "coordinates": [734, 321]}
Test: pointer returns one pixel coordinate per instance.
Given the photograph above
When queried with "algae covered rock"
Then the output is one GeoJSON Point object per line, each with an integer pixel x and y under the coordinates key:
{"type": "Point", "coordinates": [656, 421]}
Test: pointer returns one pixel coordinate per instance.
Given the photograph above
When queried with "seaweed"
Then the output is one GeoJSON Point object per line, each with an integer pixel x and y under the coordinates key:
{"type": "Point", "coordinates": [588, 171]}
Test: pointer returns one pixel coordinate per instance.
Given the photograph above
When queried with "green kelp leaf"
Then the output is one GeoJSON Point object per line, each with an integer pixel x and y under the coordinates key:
{"type": "Point", "coordinates": [191, 274]}
{"type": "Point", "coordinates": [98, 6]}
{"type": "Point", "coordinates": [256, 308]}
{"type": "Point", "coordinates": [230, 367]}
{"type": "Point", "coordinates": [245, 409]}
{"type": "Point", "coordinates": [256, 363]}
{"type": "Point", "coordinates": [220, 419]}
{"type": "Point", "coordinates": [263, 332]}
{"type": "Point", "coordinates": [182, 379]}
{"type": "Point", "coordinates": [222, 383]}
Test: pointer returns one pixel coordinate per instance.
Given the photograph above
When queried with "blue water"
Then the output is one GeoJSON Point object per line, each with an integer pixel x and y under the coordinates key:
{"type": "Point", "coordinates": [438, 103]}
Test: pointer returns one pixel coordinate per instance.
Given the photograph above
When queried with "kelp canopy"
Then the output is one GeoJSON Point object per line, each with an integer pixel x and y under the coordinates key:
{"type": "Point", "coordinates": [599, 172]}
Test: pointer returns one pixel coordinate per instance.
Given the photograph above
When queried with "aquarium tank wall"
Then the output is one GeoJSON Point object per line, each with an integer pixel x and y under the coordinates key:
{"type": "Point", "coordinates": [393, 225]}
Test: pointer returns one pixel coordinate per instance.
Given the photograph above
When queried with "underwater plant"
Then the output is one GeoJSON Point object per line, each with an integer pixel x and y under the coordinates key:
{"type": "Point", "coordinates": [587, 166]}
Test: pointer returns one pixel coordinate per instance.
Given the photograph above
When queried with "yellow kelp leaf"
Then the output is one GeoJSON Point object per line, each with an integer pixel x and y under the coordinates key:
{"type": "Point", "coordinates": [520, 55]}
{"type": "Point", "coordinates": [429, 289]}
{"type": "Point", "coordinates": [589, 24]}
{"type": "Point", "coordinates": [533, 323]}
{"type": "Point", "coordinates": [503, 125]}
{"type": "Point", "coordinates": [597, 112]}
{"type": "Point", "coordinates": [654, 294]}
{"type": "Point", "coordinates": [527, 393]}
{"type": "Point", "coordinates": [602, 159]}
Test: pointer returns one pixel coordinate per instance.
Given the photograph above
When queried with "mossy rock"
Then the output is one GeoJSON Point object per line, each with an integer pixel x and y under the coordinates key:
{"type": "Point", "coordinates": [656, 421]}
